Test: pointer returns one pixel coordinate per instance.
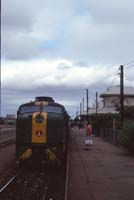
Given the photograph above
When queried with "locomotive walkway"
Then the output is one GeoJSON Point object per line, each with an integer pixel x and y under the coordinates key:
{"type": "Point", "coordinates": [104, 172]}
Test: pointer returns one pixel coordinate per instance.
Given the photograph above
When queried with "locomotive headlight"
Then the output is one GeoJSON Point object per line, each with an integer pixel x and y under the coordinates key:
{"type": "Point", "coordinates": [39, 118]}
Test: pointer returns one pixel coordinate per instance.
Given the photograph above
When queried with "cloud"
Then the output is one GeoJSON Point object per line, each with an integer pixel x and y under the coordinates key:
{"type": "Point", "coordinates": [62, 47]}
{"type": "Point", "coordinates": [52, 73]}
{"type": "Point", "coordinates": [17, 16]}
{"type": "Point", "coordinates": [22, 81]}
{"type": "Point", "coordinates": [28, 27]}
{"type": "Point", "coordinates": [108, 11]}
{"type": "Point", "coordinates": [87, 30]}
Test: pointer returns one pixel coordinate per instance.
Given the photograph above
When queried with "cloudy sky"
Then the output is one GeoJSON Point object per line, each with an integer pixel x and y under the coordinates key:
{"type": "Point", "coordinates": [59, 48]}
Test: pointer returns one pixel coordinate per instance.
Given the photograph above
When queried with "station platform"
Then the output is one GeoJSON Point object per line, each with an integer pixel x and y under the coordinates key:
{"type": "Point", "coordinates": [103, 172]}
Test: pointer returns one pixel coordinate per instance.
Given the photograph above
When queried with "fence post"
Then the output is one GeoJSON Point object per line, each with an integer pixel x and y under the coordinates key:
{"type": "Point", "coordinates": [114, 140]}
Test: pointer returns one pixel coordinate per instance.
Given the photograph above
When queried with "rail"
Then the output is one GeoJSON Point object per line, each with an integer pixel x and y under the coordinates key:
{"type": "Point", "coordinates": [7, 184]}
{"type": "Point", "coordinates": [7, 136]}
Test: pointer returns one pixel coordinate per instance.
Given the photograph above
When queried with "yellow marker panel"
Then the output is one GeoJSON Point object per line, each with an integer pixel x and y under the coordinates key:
{"type": "Point", "coordinates": [44, 103]}
{"type": "Point", "coordinates": [27, 154]}
{"type": "Point", "coordinates": [39, 129]}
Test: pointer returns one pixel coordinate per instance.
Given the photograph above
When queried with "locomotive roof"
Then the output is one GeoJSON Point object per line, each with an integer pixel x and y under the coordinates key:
{"type": "Point", "coordinates": [44, 98]}
{"type": "Point", "coordinates": [33, 103]}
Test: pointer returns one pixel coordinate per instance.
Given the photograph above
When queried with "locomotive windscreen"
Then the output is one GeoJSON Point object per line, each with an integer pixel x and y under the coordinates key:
{"type": "Point", "coordinates": [49, 109]}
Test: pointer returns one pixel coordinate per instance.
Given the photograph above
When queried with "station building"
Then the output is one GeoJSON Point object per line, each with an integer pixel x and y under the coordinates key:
{"type": "Point", "coordinates": [110, 101]}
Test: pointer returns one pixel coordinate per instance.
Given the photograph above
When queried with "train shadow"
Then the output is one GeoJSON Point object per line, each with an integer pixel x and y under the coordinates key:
{"type": "Point", "coordinates": [40, 166]}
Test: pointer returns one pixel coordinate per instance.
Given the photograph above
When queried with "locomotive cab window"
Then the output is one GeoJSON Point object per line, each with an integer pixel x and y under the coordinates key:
{"type": "Point", "coordinates": [52, 109]}
{"type": "Point", "coordinates": [29, 109]}
{"type": "Point", "coordinates": [26, 111]}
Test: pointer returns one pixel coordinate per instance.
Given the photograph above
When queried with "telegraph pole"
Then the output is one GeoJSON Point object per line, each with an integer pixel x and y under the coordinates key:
{"type": "Point", "coordinates": [87, 102]}
{"type": "Point", "coordinates": [80, 110]}
{"type": "Point", "coordinates": [0, 92]}
{"type": "Point", "coordinates": [0, 71]}
{"type": "Point", "coordinates": [96, 103]}
{"type": "Point", "coordinates": [122, 93]}
{"type": "Point", "coordinates": [0, 74]}
{"type": "Point", "coordinates": [83, 104]}
{"type": "Point", "coordinates": [76, 114]}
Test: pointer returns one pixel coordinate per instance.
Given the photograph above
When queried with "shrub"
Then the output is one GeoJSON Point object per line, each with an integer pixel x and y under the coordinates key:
{"type": "Point", "coordinates": [127, 136]}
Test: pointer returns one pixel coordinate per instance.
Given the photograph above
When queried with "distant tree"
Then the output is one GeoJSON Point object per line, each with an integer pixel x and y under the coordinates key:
{"type": "Point", "coordinates": [128, 112]}
{"type": "Point", "coordinates": [105, 121]}
{"type": "Point", "coordinates": [127, 136]}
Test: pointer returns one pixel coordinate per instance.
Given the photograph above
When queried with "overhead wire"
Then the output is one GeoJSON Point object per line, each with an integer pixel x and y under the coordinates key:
{"type": "Point", "coordinates": [130, 62]}
{"type": "Point", "coordinates": [113, 80]}
{"type": "Point", "coordinates": [129, 66]}
{"type": "Point", "coordinates": [109, 85]}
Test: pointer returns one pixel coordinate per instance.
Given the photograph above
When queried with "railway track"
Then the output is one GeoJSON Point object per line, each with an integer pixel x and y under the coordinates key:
{"type": "Point", "coordinates": [41, 184]}
{"type": "Point", "coordinates": [7, 184]}
{"type": "Point", "coordinates": [7, 136]}
{"type": "Point", "coordinates": [6, 143]}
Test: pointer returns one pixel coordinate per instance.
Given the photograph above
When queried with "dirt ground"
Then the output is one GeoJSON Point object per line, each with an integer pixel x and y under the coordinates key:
{"type": "Point", "coordinates": [7, 155]}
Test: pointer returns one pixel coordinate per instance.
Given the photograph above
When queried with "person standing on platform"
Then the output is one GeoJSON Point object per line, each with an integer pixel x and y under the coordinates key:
{"type": "Point", "coordinates": [88, 140]}
{"type": "Point", "coordinates": [89, 130]}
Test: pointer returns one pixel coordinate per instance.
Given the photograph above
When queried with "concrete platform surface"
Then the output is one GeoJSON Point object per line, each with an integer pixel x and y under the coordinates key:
{"type": "Point", "coordinates": [103, 172]}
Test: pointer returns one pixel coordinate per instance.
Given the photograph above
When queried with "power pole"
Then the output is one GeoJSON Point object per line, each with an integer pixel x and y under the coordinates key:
{"type": "Point", "coordinates": [87, 102]}
{"type": "Point", "coordinates": [96, 103]}
{"type": "Point", "coordinates": [122, 93]}
{"type": "Point", "coordinates": [83, 104]}
{"type": "Point", "coordinates": [80, 110]}
{"type": "Point", "coordinates": [0, 72]}
{"type": "Point", "coordinates": [0, 92]}
{"type": "Point", "coordinates": [76, 114]}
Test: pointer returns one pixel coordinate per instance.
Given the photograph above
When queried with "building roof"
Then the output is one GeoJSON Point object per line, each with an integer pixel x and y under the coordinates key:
{"type": "Point", "coordinates": [108, 109]}
{"type": "Point", "coordinates": [115, 90]}
{"type": "Point", "coordinates": [111, 91]}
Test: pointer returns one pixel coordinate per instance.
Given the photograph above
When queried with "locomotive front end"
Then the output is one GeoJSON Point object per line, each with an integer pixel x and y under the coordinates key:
{"type": "Point", "coordinates": [41, 131]}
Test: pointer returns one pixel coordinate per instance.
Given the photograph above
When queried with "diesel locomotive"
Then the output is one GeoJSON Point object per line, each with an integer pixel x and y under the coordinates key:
{"type": "Point", "coordinates": [41, 130]}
